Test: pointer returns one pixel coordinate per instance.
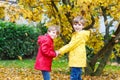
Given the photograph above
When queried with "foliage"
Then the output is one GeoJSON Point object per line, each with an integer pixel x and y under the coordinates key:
{"type": "Point", "coordinates": [117, 50]}
{"type": "Point", "coordinates": [95, 42]}
{"type": "Point", "coordinates": [17, 40]}
{"type": "Point", "coordinates": [30, 74]}
{"type": "Point", "coordinates": [62, 12]}
{"type": "Point", "coordinates": [2, 13]}
{"type": "Point", "coordinates": [42, 29]}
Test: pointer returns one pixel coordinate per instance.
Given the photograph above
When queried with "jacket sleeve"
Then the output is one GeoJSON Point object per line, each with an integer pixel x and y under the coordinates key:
{"type": "Point", "coordinates": [39, 40]}
{"type": "Point", "coordinates": [70, 46]}
{"type": "Point", "coordinates": [46, 49]}
{"type": "Point", "coordinates": [86, 35]}
{"type": "Point", "coordinates": [74, 43]}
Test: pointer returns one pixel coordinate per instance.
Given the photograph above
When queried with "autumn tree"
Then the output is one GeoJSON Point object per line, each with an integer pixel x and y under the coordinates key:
{"type": "Point", "coordinates": [63, 11]}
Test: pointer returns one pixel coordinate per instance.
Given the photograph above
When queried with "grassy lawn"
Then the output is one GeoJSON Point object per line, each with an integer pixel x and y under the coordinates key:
{"type": "Point", "coordinates": [112, 68]}
{"type": "Point", "coordinates": [29, 63]}
{"type": "Point", "coordinates": [57, 64]}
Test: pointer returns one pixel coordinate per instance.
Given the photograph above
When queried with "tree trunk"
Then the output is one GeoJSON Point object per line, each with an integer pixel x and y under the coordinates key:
{"type": "Point", "coordinates": [88, 70]}
{"type": "Point", "coordinates": [103, 54]}
{"type": "Point", "coordinates": [103, 62]}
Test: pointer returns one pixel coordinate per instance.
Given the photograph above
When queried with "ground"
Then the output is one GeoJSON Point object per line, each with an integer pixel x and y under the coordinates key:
{"type": "Point", "coordinates": [31, 74]}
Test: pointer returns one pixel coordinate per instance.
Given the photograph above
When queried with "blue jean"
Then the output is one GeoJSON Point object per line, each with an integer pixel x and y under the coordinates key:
{"type": "Point", "coordinates": [46, 75]}
{"type": "Point", "coordinates": [76, 73]}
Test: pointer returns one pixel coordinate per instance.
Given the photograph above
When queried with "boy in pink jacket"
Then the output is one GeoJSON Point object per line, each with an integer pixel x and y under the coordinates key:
{"type": "Point", "coordinates": [46, 51]}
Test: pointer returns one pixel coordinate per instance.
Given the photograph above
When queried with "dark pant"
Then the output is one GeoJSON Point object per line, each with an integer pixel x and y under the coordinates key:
{"type": "Point", "coordinates": [76, 73]}
{"type": "Point", "coordinates": [46, 75]}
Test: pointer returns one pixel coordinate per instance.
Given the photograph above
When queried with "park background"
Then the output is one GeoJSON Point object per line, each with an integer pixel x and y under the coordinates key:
{"type": "Point", "coordinates": [23, 20]}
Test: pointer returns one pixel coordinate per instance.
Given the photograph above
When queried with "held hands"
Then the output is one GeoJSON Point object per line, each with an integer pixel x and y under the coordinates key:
{"type": "Point", "coordinates": [57, 53]}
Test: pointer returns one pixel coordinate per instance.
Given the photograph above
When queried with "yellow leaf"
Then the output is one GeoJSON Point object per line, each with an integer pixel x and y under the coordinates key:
{"type": "Point", "coordinates": [19, 57]}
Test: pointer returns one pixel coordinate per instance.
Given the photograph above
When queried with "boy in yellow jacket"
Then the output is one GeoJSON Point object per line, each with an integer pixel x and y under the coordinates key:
{"type": "Point", "coordinates": [76, 48]}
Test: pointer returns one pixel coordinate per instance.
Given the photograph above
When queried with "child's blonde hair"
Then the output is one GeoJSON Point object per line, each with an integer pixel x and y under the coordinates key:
{"type": "Point", "coordinates": [78, 19]}
{"type": "Point", "coordinates": [54, 27]}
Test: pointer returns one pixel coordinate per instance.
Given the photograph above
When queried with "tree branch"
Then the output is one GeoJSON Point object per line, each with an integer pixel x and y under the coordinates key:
{"type": "Point", "coordinates": [92, 24]}
{"type": "Point", "coordinates": [105, 48]}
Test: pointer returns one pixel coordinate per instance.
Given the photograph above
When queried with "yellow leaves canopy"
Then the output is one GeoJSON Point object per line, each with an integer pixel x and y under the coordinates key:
{"type": "Point", "coordinates": [2, 13]}
{"type": "Point", "coordinates": [62, 13]}
{"type": "Point", "coordinates": [96, 42]}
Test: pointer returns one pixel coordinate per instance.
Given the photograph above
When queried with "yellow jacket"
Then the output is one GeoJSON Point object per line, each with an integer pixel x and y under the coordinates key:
{"type": "Point", "coordinates": [76, 49]}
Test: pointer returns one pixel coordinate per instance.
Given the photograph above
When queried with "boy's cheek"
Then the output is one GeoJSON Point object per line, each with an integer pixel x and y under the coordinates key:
{"type": "Point", "coordinates": [56, 36]}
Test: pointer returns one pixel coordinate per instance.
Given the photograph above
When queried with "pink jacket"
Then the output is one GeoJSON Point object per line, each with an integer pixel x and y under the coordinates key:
{"type": "Point", "coordinates": [45, 54]}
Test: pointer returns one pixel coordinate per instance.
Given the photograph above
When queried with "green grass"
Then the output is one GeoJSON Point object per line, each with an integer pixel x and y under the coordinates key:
{"type": "Point", "coordinates": [58, 64]}
{"type": "Point", "coordinates": [29, 63]}
{"type": "Point", "coordinates": [112, 68]}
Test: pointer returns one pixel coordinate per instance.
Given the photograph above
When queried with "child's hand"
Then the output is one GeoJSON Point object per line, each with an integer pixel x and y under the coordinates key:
{"type": "Point", "coordinates": [57, 53]}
